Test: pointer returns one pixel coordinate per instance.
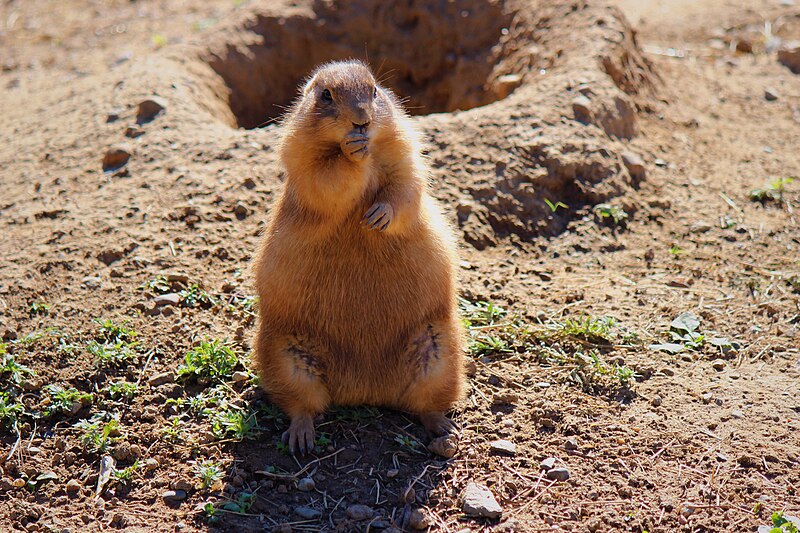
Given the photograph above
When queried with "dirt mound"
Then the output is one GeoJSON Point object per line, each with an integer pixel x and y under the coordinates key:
{"type": "Point", "coordinates": [534, 101]}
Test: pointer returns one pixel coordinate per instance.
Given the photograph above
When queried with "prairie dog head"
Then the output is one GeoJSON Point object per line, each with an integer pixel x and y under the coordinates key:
{"type": "Point", "coordinates": [343, 97]}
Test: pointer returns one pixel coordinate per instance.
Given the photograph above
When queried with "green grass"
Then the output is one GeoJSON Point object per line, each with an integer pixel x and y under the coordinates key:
{"type": "Point", "coordinates": [39, 308]}
{"type": "Point", "coordinates": [597, 330]}
{"type": "Point", "coordinates": [613, 214]}
{"type": "Point", "coordinates": [193, 296]}
{"type": "Point", "coordinates": [174, 432]}
{"type": "Point", "coordinates": [109, 331]}
{"type": "Point", "coordinates": [780, 524]}
{"type": "Point", "coordinates": [235, 424]}
{"type": "Point", "coordinates": [125, 475]}
{"type": "Point", "coordinates": [772, 192]}
{"type": "Point", "coordinates": [212, 361]}
{"type": "Point", "coordinates": [159, 284]}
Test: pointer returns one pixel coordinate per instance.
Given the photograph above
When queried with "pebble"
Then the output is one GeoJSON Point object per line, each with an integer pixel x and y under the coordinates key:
{"type": "Point", "coordinates": [503, 446]}
{"type": "Point", "coordinates": [419, 519]}
{"type": "Point", "coordinates": [306, 484]}
{"type": "Point", "coordinates": [582, 108]}
{"type": "Point", "coordinates": [307, 513]}
{"type": "Point", "coordinates": [6, 484]}
{"type": "Point", "coordinates": [113, 115]}
{"type": "Point", "coordinates": [167, 299]}
{"type": "Point", "coordinates": [34, 450]}
{"type": "Point", "coordinates": [91, 282]}
{"type": "Point", "coordinates": [182, 484]}
{"type": "Point", "coordinates": [359, 512]}
{"type": "Point", "coordinates": [151, 464]}
{"type": "Point", "coordinates": [548, 464]}
{"type": "Point", "coordinates": [789, 56]}
{"type": "Point", "coordinates": [73, 486]}
{"type": "Point", "coordinates": [17, 483]}
{"type": "Point", "coordinates": [559, 474]}
{"type": "Point", "coordinates": [239, 376]}
{"type": "Point", "coordinates": [700, 226]}
{"type": "Point", "coordinates": [718, 364]}
{"type": "Point", "coordinates": [132, 132]}
{"type": "Point", "coordinates": [660, 162]}
{"type": "Point", "coordinates": [478, 500]}
{"type": "Point", "coordinates": [161, 379]}
{"type": "Point", "coordinates": [571, 444]}
{"type": "Point", "coordinates": [149, 109]}
{"type": "Point", "coordinates": [392, 473]}
{"type": "Point", "coordinates": [634, 163]}
{"type": "Point", "coordinates": [707, 397]}
{"type": "Point", "coordinates": [116, 156]}
{"type": "Point", "coordinates": [444, 446]}
{"type": "Point", "coordinates": [122, 451]}
{"type": "Point", "coordinates": [737, 414]}
{"type": "Point", "coordinates": [174, 496]}
{"type": "Point", "coordinates": [656, 401]}
{"type": "Point", "coordinates": [770, 94]}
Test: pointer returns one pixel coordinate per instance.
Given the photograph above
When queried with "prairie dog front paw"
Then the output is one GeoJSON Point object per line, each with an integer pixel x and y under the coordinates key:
{"type": "Point", "coordinates": [378, 216]}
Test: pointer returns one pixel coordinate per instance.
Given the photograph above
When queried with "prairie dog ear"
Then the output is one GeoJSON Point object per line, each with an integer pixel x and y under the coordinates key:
{"type": "Point", "coordinates": [309, 84]}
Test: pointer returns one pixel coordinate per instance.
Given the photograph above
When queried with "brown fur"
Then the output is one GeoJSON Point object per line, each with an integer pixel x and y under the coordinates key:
{"type": "Point", "coordinates": [350, 314]}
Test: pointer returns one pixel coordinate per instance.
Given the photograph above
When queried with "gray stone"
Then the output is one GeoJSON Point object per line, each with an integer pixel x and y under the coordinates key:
{"type": "Point", "coordinates": [307, 512]}
{"type": "Point", "coordinates": [558, 474]}
{"type": "Point", "coordinates": [306, 484]}
{"type": "Point", "coordinates": [174, 496]}
{"type": "Point", "coordinates": [548, 464]}
{"type": "Point", "coordinates": [167, 299]}
{"type": "Point", "coordinates": [582, 108]}
{"type": "Point", "coordinates": [444, 446]}
{"type": "Point", "coordinates": [239, 376]}
{"type": "Point", "coordinates": [478, 500]}
{"type": "Point", "coordinates": [116, 156]}
{"type": "Point", "coordinates": [571, 444]}
{"type": "Point", "coordinates": [73, 486]}
{"type": "Point", "coordinates": [419, 519]}
{"type": "Point", "coordinates": [503, 446]}
{"type": "Point", "coordinates": [770, 94]}
{"type": "Point", "coordinates": [91, 282]}
{"type": "Point", "coordinates": [718, 365]}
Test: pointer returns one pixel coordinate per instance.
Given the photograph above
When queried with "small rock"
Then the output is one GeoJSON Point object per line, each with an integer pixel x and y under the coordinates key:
{"type": "Point", "coordinates": [559, 474]}
{"type": "Point", "coordinates": [505, 85]}
{"type": "Point", "coordinates": [505, 398]}
{"type": "Point", "coordinates": [571, 444]}
{"type": "Point", "coordinates": [91, 282]}
{"type": "Point", "coordinates": [718, 365]}
{"type": "Point", "coordinates": [548, 464]}
{"type": "Point", "coordinates": [770, 94]}
{"type": "Point", "coordinates": [419, 519]}
{"type": "Point", "coordinates": [660, 162]}
{"type": "Point", "coordinates": [122, 451]}
{"type": "Point", "coordinates": [161, 379]}
{"type": "Point", "coordinates": [167, 299]}
{"type": "Point", "coordinates": [359, 512]}
{"type": "Point", "coordinates": [392, 473]}
{"type": "Point", "coordinates": [182, 484]}
{"type": "Point", "coordinates": [174, 496]}
{"type": "Point", "coordinates": [132, 132]}
{"type": "Point", "coordinates": [239, 376]}
{"type": "Point", "coordinates": [18, 483]}
{"type": "Point", "coordinates": [6, 484]}
{"type": "Point", "coordinates": [149, 109]}
{"type": "Point", "coordinates": [737, 414]}
{"type": "Point", "coordinates": [747, 461]}
{"type": "Point", "coordinates": [34, 450]}
{"type": "Point", "coordinates": [478, 500]}
{"type": "Point", "coordinates": [707, 397]}
{"type": "Point", "coordinates": [307, 513]}
{"type": "Point", "coordinates": [113, 115]}
{"type": "Point", "coordinates": [789, 56]}
{"type": "Point", "coordinates": [656, 401]}
{"type": "Point", "coordinates": [444, 446]}
{"type": "Point", "coordinates": [151, 464]}
{"type": "Point", "coordinates": [634, 164]}
{"type": "Point", "coordinates": [306, 484]}
{"type": "Point", "coordinates": [700, 226]}
{"type": "Point", "coordinates": [503, 446]}
{"type": "Point", "coordinates": [582, 108]}
{"type": "Point", "coordinates": [116, 157]}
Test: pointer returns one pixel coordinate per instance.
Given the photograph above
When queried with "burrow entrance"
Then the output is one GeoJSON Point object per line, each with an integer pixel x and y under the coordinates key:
{"type": "Point", "coordinates": [441, 56]}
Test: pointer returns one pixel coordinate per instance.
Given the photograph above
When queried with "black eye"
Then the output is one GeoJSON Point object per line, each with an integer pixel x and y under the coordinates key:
{"type": "Point", "coordinates": [375, 92]}
{"type": "Point", "coordinates": [326, 96]}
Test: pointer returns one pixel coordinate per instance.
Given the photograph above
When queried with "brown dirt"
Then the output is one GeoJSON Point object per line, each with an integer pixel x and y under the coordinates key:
{"type": "Point", "coordinates": [685, 447]}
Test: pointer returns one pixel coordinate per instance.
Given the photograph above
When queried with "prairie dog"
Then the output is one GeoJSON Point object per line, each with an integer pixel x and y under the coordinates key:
{"type": "Point", "coordinates": [356, 271]}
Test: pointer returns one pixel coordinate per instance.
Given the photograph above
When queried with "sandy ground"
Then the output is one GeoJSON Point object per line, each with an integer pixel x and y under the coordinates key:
{"type": "Point", "coordinates": [677, 128]}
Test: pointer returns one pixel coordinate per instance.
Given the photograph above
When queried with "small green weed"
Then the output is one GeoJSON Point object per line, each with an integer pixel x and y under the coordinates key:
{"type": "Point", "coordinates": [10, 366]}
{"type": "Point", "coordinates": [772, 192]}
{"type": "Point", "coordinates": [125, 475]}
{"type": "Point", "coordinates": [97, 434]}
{"type": "Point", "coordinates": [244, 501]}
{"type": "Point", "coordinates": [481, 313]}
{"type": "Point", "coordinates": [686, 335]}
{"type": "Point", "coordinates": [612, 214]}
{"type": "Point", "coordinates": [676, 251]}
{"type": "Point", "coordinates": [209, 473]}
{"type": "Point", "coordinates": [112, 353]}
{"type": "Point", "coordinates": [781, 524]}
{"type": "Point", "coordinates": [597, 330]}
{"type": "Point", "coordinates": [193, 296]}
{"type": "Point", "coordinates": [409, 443]}
{"type": "Point", "coordinates": [159, 284]}
{"type": "Point", "coordinates": [112, 332]}
{"type": "Point", "coordinates": [209, 361]}
{"type": "Point", "coordinates": [39, 308]}
{"type": "Point", "coordinates": [174, 432]}
{"type": "Point", "coordinates": [121, 389]}
{"type": "Point", "coordinates": [234, 424]}
{"type": "Point", "coordinates": [554, 206]}
{"type": "Point", "coordinates": [62, 400]}
{"type": "Point", "coordinates": [10, 410]}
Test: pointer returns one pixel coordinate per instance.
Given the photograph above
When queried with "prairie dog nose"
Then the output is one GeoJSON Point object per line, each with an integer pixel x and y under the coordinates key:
{"type": "Point", "coordinates": [361, 127]}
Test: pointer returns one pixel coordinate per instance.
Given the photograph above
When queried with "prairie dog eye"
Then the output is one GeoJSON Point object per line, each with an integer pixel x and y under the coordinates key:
{"type": "Point", "coordinates": [375, 92]}
{"type": "Point", "coordinates": [326, 96]}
